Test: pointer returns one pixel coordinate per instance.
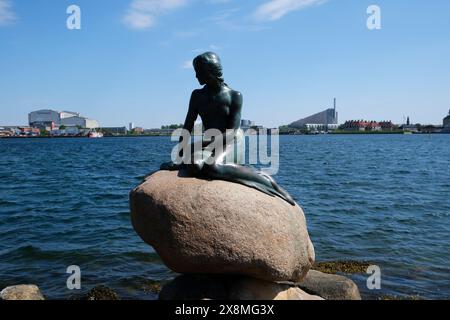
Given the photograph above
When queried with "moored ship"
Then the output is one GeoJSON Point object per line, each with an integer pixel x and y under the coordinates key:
{"type": "Point", "coordinates": [94, 134]}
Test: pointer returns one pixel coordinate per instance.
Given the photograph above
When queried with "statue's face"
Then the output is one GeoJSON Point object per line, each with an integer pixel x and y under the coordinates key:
{"type": "Point", "coordinates": [202, 75]}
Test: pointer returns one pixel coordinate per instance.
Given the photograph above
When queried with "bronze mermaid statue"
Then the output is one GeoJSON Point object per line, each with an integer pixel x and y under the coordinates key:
{"type": "Point", "coordinates": [219, 107]}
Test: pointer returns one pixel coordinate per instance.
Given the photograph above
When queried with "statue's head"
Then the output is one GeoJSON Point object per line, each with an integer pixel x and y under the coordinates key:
{"type": "Point", "coordinates": [208, 68]}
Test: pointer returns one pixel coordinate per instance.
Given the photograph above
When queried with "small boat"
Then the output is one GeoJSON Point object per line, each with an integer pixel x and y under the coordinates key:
{"type": "Point", "coordinates": [94, 134]}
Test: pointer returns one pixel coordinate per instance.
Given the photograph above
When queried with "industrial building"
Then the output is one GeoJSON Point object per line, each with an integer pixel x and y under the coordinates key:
{"type": "Point", "coordinates": [80, 122]}
{"type": "Point", "coordinates": [114, 130]}
{"type": "Point", "coordinates": [54, 119]}
{"type": "Point", "coordinates": [246, 124]}
{"type": "Point", "coordinates": [325, 120]}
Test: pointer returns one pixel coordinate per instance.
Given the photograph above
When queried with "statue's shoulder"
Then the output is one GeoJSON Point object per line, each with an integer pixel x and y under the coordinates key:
{"type": "Point", "coordinates": [234, 93]}
{"type": "Point", "coordinates": [197, 93]}
{"type": "Point", "coordinates": [236, 96]}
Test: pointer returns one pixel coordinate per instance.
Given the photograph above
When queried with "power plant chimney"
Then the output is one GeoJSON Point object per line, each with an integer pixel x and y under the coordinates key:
{"type": "Point", "coordinates": [335, 112]}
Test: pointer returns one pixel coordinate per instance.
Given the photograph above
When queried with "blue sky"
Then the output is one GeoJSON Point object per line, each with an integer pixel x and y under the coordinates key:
{"type": "Point", "coordinates": [130, 62]}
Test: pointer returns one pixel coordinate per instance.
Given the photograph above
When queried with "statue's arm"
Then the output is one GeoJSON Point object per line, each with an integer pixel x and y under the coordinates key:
{"type": "Point", "coordinates": [190, 117]}
{"type": "Point", "coordinates": [192, 113]}
{"type": "Point", "coordinates": [234, 121]}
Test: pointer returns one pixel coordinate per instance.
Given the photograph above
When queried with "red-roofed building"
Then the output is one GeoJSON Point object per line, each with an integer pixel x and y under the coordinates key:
{"type": "Point", "coordinates": [360, 125]}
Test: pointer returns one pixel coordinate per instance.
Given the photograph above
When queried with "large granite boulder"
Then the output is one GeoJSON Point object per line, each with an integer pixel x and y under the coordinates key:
{"type": "Point", "coordinates": [22, 292]}
{"type": "Point", "coordinates": [219, 227]}
{"type": "Point", "coordinates": [330, 286]}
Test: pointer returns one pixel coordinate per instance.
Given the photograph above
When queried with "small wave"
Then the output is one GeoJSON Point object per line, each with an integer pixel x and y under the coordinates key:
{"type": "Point", "coordinates": [33, 254]}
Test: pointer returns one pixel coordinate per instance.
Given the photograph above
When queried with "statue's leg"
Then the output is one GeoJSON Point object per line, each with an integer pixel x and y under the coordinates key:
{"type": "Point", "coordinates": [248, 177]}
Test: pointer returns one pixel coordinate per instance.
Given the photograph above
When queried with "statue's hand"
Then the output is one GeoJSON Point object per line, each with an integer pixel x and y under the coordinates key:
{"type": "Point", "coordinates": [168, 166]}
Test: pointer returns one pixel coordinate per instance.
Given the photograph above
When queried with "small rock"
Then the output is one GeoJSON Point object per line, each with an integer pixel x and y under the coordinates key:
{"type": "Point", "coordinates": [22, 292]}
{"type": "Point", "coordinates": [152, 286]}
{"type": "Point", "coordinates": [101, 293]}
{"type": "Point", "coordinates": [223, 287]}
{"type": "Point", "coordinates": [253, 289]}
{"type": "Point", "coordinates": [329, 286]}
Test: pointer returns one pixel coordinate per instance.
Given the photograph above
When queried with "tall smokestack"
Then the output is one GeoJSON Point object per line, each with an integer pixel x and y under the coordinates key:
{"type": "Point", "coordinates": [335, 113]}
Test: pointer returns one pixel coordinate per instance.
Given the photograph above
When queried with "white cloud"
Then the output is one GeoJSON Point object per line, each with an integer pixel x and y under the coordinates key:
{"type": "Point", "coordinates": [187, 65]}
{"type": "Point", "coordinates": [211, 47]}
{"type": "Point", "coordinates": [218, 1]}
{"type": "Point", "coordinates": [142, 14]}
{"type": "Point", "coordinates": [214, 47]}
{"type": "Point", "coordinates": [276, 9]}
{"type": "Point", "coordinates": [7, 16]}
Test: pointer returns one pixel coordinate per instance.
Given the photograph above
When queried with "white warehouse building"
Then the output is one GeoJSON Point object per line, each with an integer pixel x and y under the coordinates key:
{"type": "Point", "coordinates": [65, 118]}
{"type": "Point", "coordinates": [68, 114]}
{"type": "Point", "coordinates": [79, 122]}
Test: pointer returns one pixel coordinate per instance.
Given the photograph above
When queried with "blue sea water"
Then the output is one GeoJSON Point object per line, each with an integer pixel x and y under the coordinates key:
{"type": "Point", "coordinates": [379, 198]}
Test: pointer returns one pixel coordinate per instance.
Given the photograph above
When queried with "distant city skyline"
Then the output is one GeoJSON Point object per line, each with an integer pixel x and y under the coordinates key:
{"type": "Point", "coordinates": [131, 60]}
{"type": "Point", "coordinates": [328, 116]}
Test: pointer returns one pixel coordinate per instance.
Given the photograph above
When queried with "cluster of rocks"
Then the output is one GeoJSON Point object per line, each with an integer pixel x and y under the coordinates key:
{"type": "Point", "coordinates": [229, 241]}
{"type": "Point", "coordinates": [220, 287]}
